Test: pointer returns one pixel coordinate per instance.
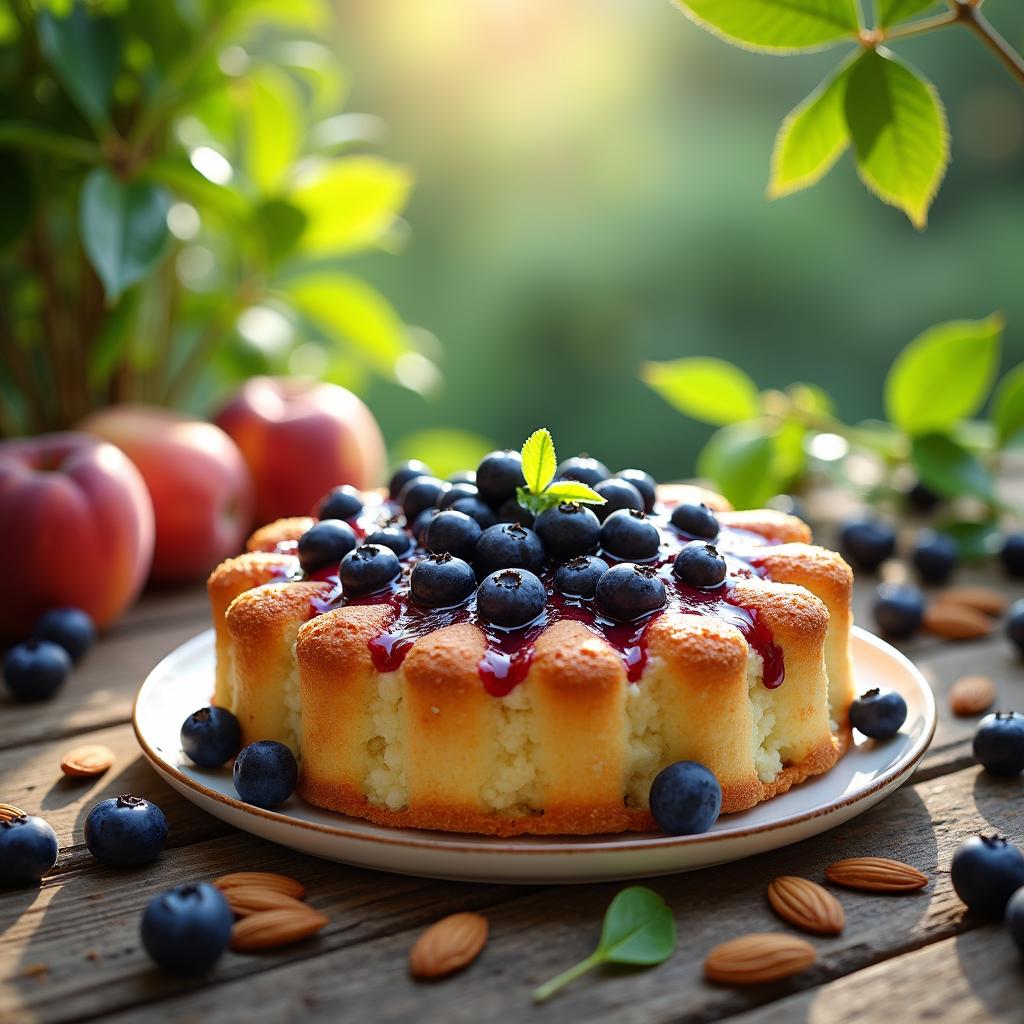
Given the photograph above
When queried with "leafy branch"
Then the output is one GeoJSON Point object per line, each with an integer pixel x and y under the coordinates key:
{"type": "Point", "coordinates": [542, 490]}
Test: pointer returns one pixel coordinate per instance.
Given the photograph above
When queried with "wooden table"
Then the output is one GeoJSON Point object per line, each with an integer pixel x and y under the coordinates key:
{"type": "Point", "coordinates": [70, 950]}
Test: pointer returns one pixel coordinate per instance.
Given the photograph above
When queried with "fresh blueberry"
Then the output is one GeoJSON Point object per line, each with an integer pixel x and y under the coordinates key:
{"type": "Point", "coordinates": [934, 556]}
{"type": "Point", "coordinates": [899, 609]}
{"type": "Point", "coordinates": [478, 510]}
{"type": "Point", "coordinates": [371, 567]}
{"type": "Point", "coordinates": [567, 530]}
{"type": "Point", "coordinates": [456, 492]}
{"type": "Point", "coordinates": [685, 798]}
{"type": "Point", "coordinates": [644, 483]}
{"type": "Point", "coordinates": [463, 476]}
{"type": "Point", "coordinates": [584, 469]}
{"type": "Point", "coordinates": [498, 476]}
{"type": "Point", "coordinates": [999, 742]}
{"type": "Point", "coordinates": [578, 577]}
{"type": "Point", "coordinates": [878, 714]}
{"type": "Point", "coordinates": [921, 498]}
{"type": "Point", "coordinates": [695, 520]}
{"type": "Point", "coordinates": [211, 736]}
{"type": "Point", "coordinates": [325, 544]}
{"type": "Point", "coordinates": [421, 492]}
{"type": "Point", "coordinates": [125, 831]}
{"type": "Point", "coordinates": [441, 581]}
{"type": "Point", "coordinates": [700, 565]}
{"type": "Point", "coordinates": [344, 502]}
{"type": "Point", "coordinates": [405, 472]}
{"type": "Point", "coordinates": [187, 928]}
{"type": "Point", "coordinates": [28, 849]}
{"type": "Point", "coordinates": [617, 494]}
{"type": "Point", "coordinates": [986, 871]}
{"type": "Point", "coordinates": [511, 597]}
{"type": "Point", "coordinates": [627, 592]}
{"type": "Point", "coordinates": [508, 546]}
{"type": "Point", "coordinates": [419, 525]}
{"type": "Point", "coordinates": [393, 537]}
{"type": "Point", "coordinates": [1012, 554]}
{"type": "Point", "coordinates": [867, 542]}
{"type": "Point", "coordinates": [265, 773]}
{"type": "Point", "coordinates": [1015, 624]}
{"type": "Point", "coordinates": [630, 535]}
{"type": "Point", "coordinates": [71, 628]}
{"type": "Point", "coordinates": [512, 512]}
{"type": "Point", "coordinates": [454, 532]}
{"type": "Point", "coordinates": [36, 669]}
{"type": "Point", "coordinates": [1015, 918]}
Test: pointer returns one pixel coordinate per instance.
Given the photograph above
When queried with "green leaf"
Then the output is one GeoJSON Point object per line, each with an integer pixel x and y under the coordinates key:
{"type": "Point", "coordinates": [573, 490]}
{"type": "Point", "coordinates": [123, 228]}
{"type": "Point", "coordinates": [943, 375]}
{"type": "Point", "coordinates": [888, 12]}
{"type": "Point", "coordinates": [85, 53]}
{"type": "Point", "coordinates": [639, 929]}
{"type": "Point", "coordinates": [739, 460]}
{"type": "Point", "coordinates": [708, 389]}
{"type": "Point", "coordinates": [445, 451]}
{"type": "Point", "coordinates": [281, 225]}
{"type": "Point", "coordinates": [778, 26]}
{"type": "Point", "coordinates": [811, 138]}
{"type": "Point", "coordinates": [949, 469]}
{"type": "Point", "coordinates": [1008, 406]}
{"type": "Point", "coordinates": [272, 124]}
{"type": "Point", "coordinates": [974, 540]}
{"type": "Point", "coordinates": [898, 127]}
{"type": "Point", "coordinates": [539, 460]}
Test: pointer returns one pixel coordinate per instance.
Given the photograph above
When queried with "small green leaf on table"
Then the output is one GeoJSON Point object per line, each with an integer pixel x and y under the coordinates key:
{"type": "Point", "coordinates": [710, 390]}
{"type": "Point", "coordinates": [974, 539]}
{"type": "Point", "coordinates": [949, 469]}
{"type": "Point", "coordinates": [888, 12]}
{"type": "Point", "coordinates": [1008, 407]}
{"type": "Point", "coordinates": [639, 929]}
{"type": "Point", "coordinates": [539, 460]}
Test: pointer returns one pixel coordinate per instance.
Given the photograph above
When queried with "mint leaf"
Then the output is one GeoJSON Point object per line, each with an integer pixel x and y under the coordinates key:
{"type": "Point", "coordinates": [710, 390]}
{"type": "Point", "coordinates": [1008, 407]}
{"type": "Point", "coordinates": [740, 461]}
{"type": "Point", "coordinates": [888, 12]}
{"type": "Point", "coordinates": [539, 460]}
{"type": "Point", "coordinates": [974, 540]}
{"type": "Point", "coordinates": [950, 469]}
{"type": "Point", "coordinates": [573, 490]}
{"type": "Point", "coordinates": [638, 929]}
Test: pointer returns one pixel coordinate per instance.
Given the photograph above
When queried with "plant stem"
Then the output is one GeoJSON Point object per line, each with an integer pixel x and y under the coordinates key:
{"type": "Point", "coordinates": [549, 988]}
{"type": "Point", "coordinates": [916, 28]}
{"type": "Point", "coordinates": [972, 17]}
{"type": "Point", "coordinates": [45, 141]}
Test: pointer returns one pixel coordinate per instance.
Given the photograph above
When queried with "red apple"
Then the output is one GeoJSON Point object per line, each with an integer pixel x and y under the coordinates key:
{"type": "Point", "coordinates": [300, 439]}
{"type": "Point", "coordinates": [201, 488]}
{"type": "Point", "coordinates": [77, 529]}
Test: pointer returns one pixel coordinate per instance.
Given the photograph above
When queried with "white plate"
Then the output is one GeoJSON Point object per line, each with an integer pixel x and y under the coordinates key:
{"type": "Point", "coordinates": [183, 681]}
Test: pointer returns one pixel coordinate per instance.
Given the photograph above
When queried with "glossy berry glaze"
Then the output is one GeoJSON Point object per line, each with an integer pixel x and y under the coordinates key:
{"type": "Point", "coordinates": [509, 653]}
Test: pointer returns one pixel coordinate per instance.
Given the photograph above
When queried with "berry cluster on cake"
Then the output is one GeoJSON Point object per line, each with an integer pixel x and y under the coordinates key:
{"type": "Point", "coordinates": [523, 648]}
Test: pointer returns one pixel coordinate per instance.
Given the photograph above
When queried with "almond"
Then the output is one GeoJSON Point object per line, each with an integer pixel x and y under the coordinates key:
{"type": "Point", "coordinates": [972, 695]}
{"type": "Point", "coordinates": [805, 904]}
{"type": "Point", "coordinates": [8, 812]}
{"type": "Point", "coordinates": [82, 762]}
{"type": "Point", "coordinates": [262, 879]}
{"type": "Point", "coordinates": [245, 900]}
{"type": "Point", "coordinates": [981, 599]}
{"type": "Point", "coordinates": [876, 874]}
{"type": "Point", "coordinates": [449, 945]}
{"type": "Point", "coordinates": [271, 928]}
{"type": "Point", "coordinates": [757, 958]}
{"type": "Point", "coordinates": [956, 621]}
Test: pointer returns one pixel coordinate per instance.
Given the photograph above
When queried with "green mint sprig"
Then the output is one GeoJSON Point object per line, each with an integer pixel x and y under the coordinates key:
{"type": "Point", "coordinates": [542, 490]}
{"type": "Point", "coordinates": [638, 929]}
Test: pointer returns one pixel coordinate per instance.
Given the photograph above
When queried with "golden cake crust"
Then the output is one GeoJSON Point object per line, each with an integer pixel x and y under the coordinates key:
{"type": "Point", "coordinates": [280, 531]}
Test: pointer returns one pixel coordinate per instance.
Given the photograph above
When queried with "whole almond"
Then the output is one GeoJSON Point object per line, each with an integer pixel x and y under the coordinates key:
{"type": "Point", "coordinates": [876, 874]}
{"type": "Point", "coordinates": [8, 812]}
{"type": "Point", "coordinates": [449, 945]}
{"type": "Point", "coordinates": [271, 928]}
{"type": "Point", "coordinates": [757, 958]}
{"type": "Point", "coordinates": [972, 695]}
{"type": "Point", "coordinates": [262, 879]}
{"type": "Point", "coordinates": [956, 621]}
{"type": "Point", "coordinates": [981, 599]}
{"type": "Point", "coordinates": [805, 904]}
{"type": "Point", "coordinates": [245, 900]}
{"type": "Point", "coordinates": [91, 759]}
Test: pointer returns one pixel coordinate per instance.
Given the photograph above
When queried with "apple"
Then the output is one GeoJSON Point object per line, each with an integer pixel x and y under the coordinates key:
{"type": "Point", "coordinates": [301, 438]}
{"type": "Point", "coordinates": [202, 491]}
{"type": "Point", "coordinates": [77, 528]}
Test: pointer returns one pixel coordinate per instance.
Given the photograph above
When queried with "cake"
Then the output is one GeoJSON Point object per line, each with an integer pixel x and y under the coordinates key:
{"type": "Point", "coordinates": [460, 717]}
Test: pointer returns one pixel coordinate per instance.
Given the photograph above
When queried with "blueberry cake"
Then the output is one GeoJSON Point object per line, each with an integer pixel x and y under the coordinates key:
{"type": "Point", "coordinates": [452, 655]}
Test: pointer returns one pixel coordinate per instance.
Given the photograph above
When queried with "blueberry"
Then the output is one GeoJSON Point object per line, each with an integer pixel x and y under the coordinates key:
{"type": "Point", "coordinates": [695, 520]}
{"type": "Point", "coordinates": [420, 523]}
{"type": "Point", "coordinates": [265, 773]}
{"type": "Point", "coordinates": [125, 831]}
{"type": "Point", "coordinates": [456, 492]}
{"type": "Point", "coordinates": [644, 483]}
{"type": "Point", "coordinates": [210, 736]}
{"type": "Point", "coordinates": [405, 472]}
{"type": "Point", "coordinates": [584, 469]}
{"type": "Point", "coordinates": [511, 597]}
{"type": "Point", "coordinates": [899, 609]}
{"type": "Point", "coordinates": [630, 535]}
{"type": "Point", "coordinates": [393, 537]}
{"type": "Point", "coordinates": [1015, 624]}
{"type": "Point", "coordinates": [700, 565]}
{"type": "Point", "coordinates": [921, 498]}
{"type": "Point", "coordinates": [344, 502]}
{"type": "Point", "coordinates": [498, 476]}
{"type": "Point", "coordinates": [617, 494]}
{"type": "Point", "coordinates": [578, 577]}
{"type": "Point", "coordinates": [421, 492]}
{"type": "Point", "coordinates": [463, 476]}
{"type": "Point", "coordinates": [325, 544]}
{"type": "Point", "coordinates": [867, 542]}
{"type": "Point", "coordinates": [567, 530]}
{"type": "Point", "coordinates": [478, 510]}
{"type": "Point", "coordinates": [28, 849]}
{"type": "Point", "coordinates": [36, 669]}
{"type": "Point", "coordinates": [999, 742]}
{"type": "Point", "coordinates": [71, 628]}
{"type": "Point", "coordinates": [1012, 554]}
{"type": "Point", "coordinates": [685, 798]}
{"type": "Point", "coordinates": [934, 556]}
{"type": "Point", "coordinates": [442, 581]}
{"type": "Point", "coordinates": [453, 532]}
{"type": "Point", "coordinates": [371, 567]}
{"type": "Point", "coordinates": [512, 512]}
{"type": "Point", "coordinates": [187, 928]}
{"type": "Point", "coordinates": [1015, 918]}
{"type": "Point", "coordinates": [986, 871]}
{"type": "Point", "coordinates": [878, 714]}
{"type": "Point", "coordinates": [508, 546]}
{"type": "Point", "coordinates": [627, 592]}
